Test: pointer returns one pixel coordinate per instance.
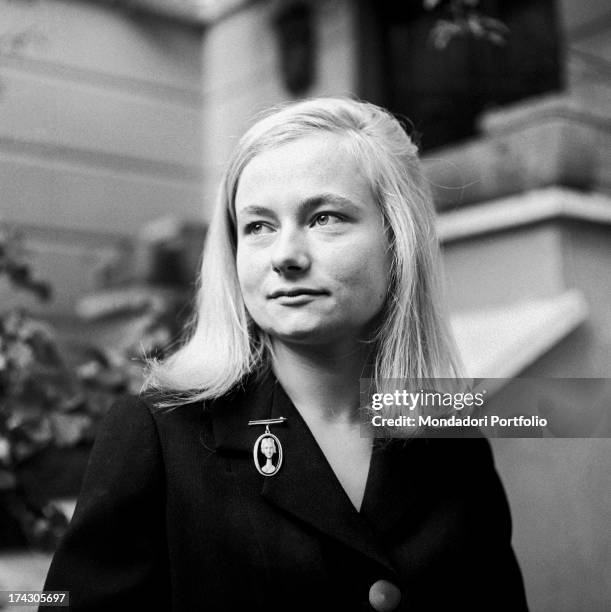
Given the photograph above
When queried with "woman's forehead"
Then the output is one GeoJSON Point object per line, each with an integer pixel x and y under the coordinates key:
{"type": "Point", "coordinates": [317, 163]}
{"type": "Point", "coordinates": [321, 146]}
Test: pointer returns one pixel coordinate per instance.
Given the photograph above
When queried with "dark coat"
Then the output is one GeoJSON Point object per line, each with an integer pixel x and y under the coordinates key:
{"type": "Point", "coordinates": [174, 516]}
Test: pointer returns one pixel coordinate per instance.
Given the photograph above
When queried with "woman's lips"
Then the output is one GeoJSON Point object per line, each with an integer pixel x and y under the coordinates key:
{"type": "Point", "coordinates": [292, 293]}
{"type": "Point", "coordinates": [296, 297]}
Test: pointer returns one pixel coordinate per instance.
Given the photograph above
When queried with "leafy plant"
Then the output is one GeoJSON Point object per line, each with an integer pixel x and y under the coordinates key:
{"type": "Point", "coordinates": [46, 402]}
{"type": "Point", "coordinates": [51, 395]}
{"type": "Point", "coordinates": [463, 18]}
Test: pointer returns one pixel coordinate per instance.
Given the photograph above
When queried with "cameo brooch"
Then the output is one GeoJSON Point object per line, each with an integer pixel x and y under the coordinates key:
{"type": "Point", "coordinates": [267, 450]}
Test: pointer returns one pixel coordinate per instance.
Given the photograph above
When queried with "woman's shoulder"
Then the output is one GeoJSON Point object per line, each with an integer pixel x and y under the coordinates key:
{"type": "Point", "coordinates": [150, 419]}
{"type": "Point", "coordinates": [131, 406]}
{"type": "Point", "coordinates": [172, 418]}
{"type": "Point", "coordinates": [129, 423]}
{"type": "Point", "coordinates": [153, 405]}
{"type": "Point", "coordinates": [167, 404]}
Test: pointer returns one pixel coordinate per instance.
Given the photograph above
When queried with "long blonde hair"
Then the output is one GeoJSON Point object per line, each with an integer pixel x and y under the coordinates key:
{"type": "Point", "coordinates": [223, 345]}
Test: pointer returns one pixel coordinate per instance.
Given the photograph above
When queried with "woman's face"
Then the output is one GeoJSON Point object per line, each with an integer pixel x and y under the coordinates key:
{"type": "Point", "coordinates": [312, 256]}
{"type": "Point", "coordinates": [268, 448]}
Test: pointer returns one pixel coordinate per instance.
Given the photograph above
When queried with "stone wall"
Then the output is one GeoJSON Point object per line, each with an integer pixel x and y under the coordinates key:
{"type": "Point", "coordinates": [242, 75]}
{"type": "Point", "coordinates": [100, 131]}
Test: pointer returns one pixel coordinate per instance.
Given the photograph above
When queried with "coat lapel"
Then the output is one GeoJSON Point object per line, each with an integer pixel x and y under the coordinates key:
{"type": "Point", "coordinates": [306, 486]}
{"type": "Point", "coordinates": [396, 487]}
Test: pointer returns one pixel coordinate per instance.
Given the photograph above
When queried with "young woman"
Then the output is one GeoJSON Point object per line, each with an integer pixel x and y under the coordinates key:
{"type": "Point", "coordinates": [240, 480]}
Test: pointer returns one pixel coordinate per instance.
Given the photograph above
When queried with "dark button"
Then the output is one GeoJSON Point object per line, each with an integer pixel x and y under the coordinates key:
{"type": "Point", "coordinates": [384, 596]}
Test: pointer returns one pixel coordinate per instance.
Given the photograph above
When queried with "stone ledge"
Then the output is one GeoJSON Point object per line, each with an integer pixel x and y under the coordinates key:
{"type": "Point", "coordinates": [522, 210]}
{"type": "Point", "coordinates": [541, 142]}
{"type": "Point", "coordinates": [501, 342]}
{"type": "Point", "coordinates": [536, 109]}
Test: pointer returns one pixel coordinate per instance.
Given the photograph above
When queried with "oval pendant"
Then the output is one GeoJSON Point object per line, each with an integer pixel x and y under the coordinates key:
{"type": "Point", "coordinates": [267, 454]}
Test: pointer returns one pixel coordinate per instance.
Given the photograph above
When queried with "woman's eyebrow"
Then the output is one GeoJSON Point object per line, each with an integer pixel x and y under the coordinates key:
{"type": "Point", "coordinates": [326, 198]}
{"type": "Point", "coordinates": [304, 207]}
{"type": "Point", "coordinates": [255, 210]}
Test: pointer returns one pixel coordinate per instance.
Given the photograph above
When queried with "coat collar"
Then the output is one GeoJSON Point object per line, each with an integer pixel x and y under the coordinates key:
{"type": "Point", "coordinates": [306, 486]}
{"type": "Point", "coordinates": [251, 400]}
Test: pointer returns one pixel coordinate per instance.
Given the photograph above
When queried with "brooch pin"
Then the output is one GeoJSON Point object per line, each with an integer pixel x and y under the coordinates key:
{"type": "Point", "coordinates": [267, 451]}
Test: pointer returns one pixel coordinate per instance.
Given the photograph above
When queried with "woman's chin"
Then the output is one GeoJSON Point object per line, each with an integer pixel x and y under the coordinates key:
{"type": "Point", "coordinates": [300, 336]}
{"type": "Point", "coordinates": [320, 339]}
{"type": "Point", "coordinates": [314, 335]}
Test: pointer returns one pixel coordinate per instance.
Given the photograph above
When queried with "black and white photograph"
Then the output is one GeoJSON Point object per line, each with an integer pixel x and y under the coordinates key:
{"type": "Point", "coordinates": [305, 305]}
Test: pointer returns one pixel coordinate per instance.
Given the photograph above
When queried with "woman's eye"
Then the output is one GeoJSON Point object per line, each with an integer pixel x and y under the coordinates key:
{"type": "Point", "coordinates": [325, 219]}
{"type": "Point", "coordinates": [257, 229]}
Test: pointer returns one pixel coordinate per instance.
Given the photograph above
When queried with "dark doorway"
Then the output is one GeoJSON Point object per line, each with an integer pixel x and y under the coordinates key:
{"type": "Point", "coordinates": [443, 91]}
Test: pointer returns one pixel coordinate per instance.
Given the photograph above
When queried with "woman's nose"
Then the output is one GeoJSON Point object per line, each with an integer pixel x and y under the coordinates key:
{"type": "Point", "coordinates": [290, 253]}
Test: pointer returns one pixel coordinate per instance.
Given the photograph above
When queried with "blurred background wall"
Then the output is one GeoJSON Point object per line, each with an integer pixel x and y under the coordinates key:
{"type": "Point", "coordinates": [240, 58]}
{"type": "Point", "coordinates": [100, 132]}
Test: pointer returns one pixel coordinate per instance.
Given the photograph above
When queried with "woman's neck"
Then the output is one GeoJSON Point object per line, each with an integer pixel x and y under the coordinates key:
{"type": "Point", "coordinates": [323, 383]}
